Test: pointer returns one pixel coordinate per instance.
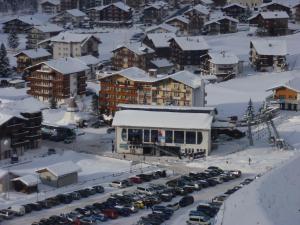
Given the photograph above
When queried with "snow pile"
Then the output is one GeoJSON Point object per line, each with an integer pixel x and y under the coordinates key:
{"type": "Point", "coordinates": [271, 200]}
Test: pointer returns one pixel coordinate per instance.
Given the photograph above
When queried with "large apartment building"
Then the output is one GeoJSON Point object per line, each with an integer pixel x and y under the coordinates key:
{"type": "Point", "coordinates": [136, 86]}
{"type": "Point", "coordinates": [59, 79]}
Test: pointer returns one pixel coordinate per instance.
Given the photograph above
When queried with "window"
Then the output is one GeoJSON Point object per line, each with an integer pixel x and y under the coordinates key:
{"type": "Point", "coordinates": [146, 136]}
{"type": "Point", "coordinates": [199, 138]}
{"type": "Point", "coordinates": [135, 135]}
{"type": "Point", "coordinates": [169, 136]}
{"type": "Point", "coordinates": [179, 137]}
{"type": "Point", "coordinates": [190, 137]}
{"type": "Point", "coordinates": [124, 134]}
{"type": "Point", "coordinates": [154, 135]}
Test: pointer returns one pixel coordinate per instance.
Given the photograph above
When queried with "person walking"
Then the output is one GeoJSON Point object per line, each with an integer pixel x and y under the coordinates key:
{"type": "Point", "coordinates": [249, 161]}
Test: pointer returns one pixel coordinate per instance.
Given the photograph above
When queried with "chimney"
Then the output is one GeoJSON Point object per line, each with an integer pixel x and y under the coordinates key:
{"type": "Point", "coordinates": [152, 73]}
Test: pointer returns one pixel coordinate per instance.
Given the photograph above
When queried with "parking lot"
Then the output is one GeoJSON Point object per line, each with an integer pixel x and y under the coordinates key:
{"type": "Point", "coordinates": [165, 194]}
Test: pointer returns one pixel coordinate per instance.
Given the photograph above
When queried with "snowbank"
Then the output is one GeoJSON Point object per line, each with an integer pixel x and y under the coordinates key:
{"type": "Point", "coordinates": [271, 200]}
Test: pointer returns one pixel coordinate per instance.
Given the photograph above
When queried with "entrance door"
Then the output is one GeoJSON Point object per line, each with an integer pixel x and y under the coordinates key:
{"type": "Point", "coordinates": [289, 106]}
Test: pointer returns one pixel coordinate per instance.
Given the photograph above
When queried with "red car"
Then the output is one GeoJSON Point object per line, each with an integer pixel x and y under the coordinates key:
{"type": "Point", "coordinates": [111, 213]}
{"type": "Point", "coordinates": [136, 180]}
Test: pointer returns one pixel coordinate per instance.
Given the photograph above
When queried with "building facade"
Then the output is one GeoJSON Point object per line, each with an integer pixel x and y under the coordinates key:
{"type": "Point", "coordinates": [58, 80]}
{"type": "Point", "coordinates": [40, 33]}
{"type": "Point", "coordinates": [268, 55]}
{"type": "Point", "coordinates": [19, 133]}
{"type": "Point", "coordinates": [162, 133]}
{"type": "Point", "coordinates": [50, 6]}
{"type": "Point", "coordinates": [31, 57]}
{"type": "Point", "coordinates": [135, 86]}
{"type": "Point", "coordinates": [132, 55]}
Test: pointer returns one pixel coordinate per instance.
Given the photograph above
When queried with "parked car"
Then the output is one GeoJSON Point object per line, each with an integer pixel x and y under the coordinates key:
{"type": "Point", "coordinates": [186, 200]}
{"type": "Point", "coordinates": [7, 214]}
{"type": "Point", "coordinates": [18, 210]}
{"type": "Point", "coordinates": [65, 199]}
{"type": "Point", "coordinates": [136, 180]}
{"type": "Point", "coordinates": [111, 213]}
{"type": "Point", "coordinates": [118, 184]}
{"type": "Point", "coordinates": [146, 190]}
{"type": "Point", "coordinates": [51, 151]}
{"type": "Point", "coordinates": [99, 188]}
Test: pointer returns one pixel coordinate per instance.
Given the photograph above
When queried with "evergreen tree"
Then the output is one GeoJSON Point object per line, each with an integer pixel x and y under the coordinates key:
{"type": "Point", "coordinates": [13, 40]}
{"type": "Point", "coordinates": [52, 103]}
{"type": "Point", "coordinates": [250, 111]}
{"type": "Point", "coordinates": [95, 104]}
{"type": "Point", "coordinates": [4, 62]}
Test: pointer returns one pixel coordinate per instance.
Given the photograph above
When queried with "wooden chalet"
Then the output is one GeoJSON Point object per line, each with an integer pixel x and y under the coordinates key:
{"type": "Point", "coordinates": [275, 6]}
{"type": "Point", "coordinates": [160, 43]}
{"type": "Point", "coordinates": [40, 33]}
{"type": "Point", "coordinates": [50, 6]}
{"type": "Point", "coordinates": [154, 12]}
{"type": "Point", "coordinates": [115, 14]}
{"type": "Point", "coordinates": [268, 55]}
{"type": "Point", "coordinates": [20, 24]}
{"type": "Point", "coordinates": [132, 55]}
{"type": "Point", "coordinates": [19, 133]}
{"type": "Point", "coordinates": [181, 22]}
{"type": "Point", "coordinates": [198, 16]}
{"type": "Point", "coordinates": [234, 10]}
{"type": "Point", "coordinates": [270, 23]}
{"type": "Point", "coordinates": [190, 50]}
{"type": "Point", "coordinates": [31, 57]}
{"type": "Point", "coordinates": [69, 4]}
{"type": "Point", "coordinates": [297, 12]}
{"type": "Point", "coordinates": [72, 17]}
{"type": "Point", "coordinates": [223, 25]}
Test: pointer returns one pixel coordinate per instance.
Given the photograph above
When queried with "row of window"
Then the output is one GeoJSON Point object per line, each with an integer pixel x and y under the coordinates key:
{"type": "Point", "coordinates": [167, 136]}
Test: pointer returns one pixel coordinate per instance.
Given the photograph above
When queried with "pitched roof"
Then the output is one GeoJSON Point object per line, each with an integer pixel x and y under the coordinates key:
{"type": "Point", "coordinates": [61, 169]}
{"type": "Point", "coordinates": [28, 180]}
{"type": "Point", "coordinates": [191, 43]}
{"type": "Point", "coordinates": [264, 5]}
{"type": "Point", "coordinates": [163, 26]}
{"type": "Point", "coordinates": [270, 47]}
{"type": "Point", "coordinates": [53, 2]}
{"type": "Point", "coordinates": [76, 13]}
{"type": "Point", "coordinates": [72, 37]}
{"type": "Point", "coordinates": [223, 58]}
{"type": "Point", "coordinates": [217, 20]}
{"type": "Point", "coordinates": [159, 63]}
{"type": "Point", "coordinates": [4, 118]}
{"type": "Point", "coordinates": [120, 5]}
{"type": "Point", "coordinates": [180, 18]}
{"type": "Point", "coordinates": [199, 8]}
{"type": "Point", "coordinates": [139, 75]}
{"type": "Point", "coordinates": [136, 47]}
{"type": "Point", "coordinates": [31, 20]}
{"type": "Point", "coordinates": [207, 2]}
{"type": "Point", "coordinates": [161, 40]}
{"type": "Point", "coordinates": [234, 4]}
{"type": "Point", "coordinates": [275, 15]}
{"type": "Point", "coordinates": [293, 84]}
{"type": "Point", "coordinates": [186, 78]}
{"type": "Point", "coordinates": [48, 28]}
{"type": "Point", "coordinates": [35, 53]}
{"type": "Point", "coordinates": [156, 5]}
{"type": "Point", "coordinates": [154, 119]}
{"type": "Point", "coordinates": [65, 65]}
{"type": "Point", "coordinates": [88, 60]}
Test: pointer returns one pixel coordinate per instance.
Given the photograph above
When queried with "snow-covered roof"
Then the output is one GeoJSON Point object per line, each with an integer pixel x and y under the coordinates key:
{"type": "Point", "coordinates": [49, 28]}
{"type": "Point", "coordinates": [4, 118]}
{"type": "Point", "coordinates": [164, 120]}
{"type": "Point", "coordinates": [264, 5]}
{"type": "Point", "coordinates": [72, 37]}
{"type": "Point", "coordinates": [120, 5]}
{"type": "Point", "coordinates": [89, 60]}
{"type": "Point", "coordinates": [179, 18]}
{"type": "Point", "coordinates": [270, 47]}
{"type": "Point", "coordinates": [207, 2]}
{"type": "Point", "coordinates": [159, 63]}
{"type": "Point", "coordinates": [53, 2]}
{"type": "Point", "coordinates": [234, 4]}
{"type": "Point", "coordinates": [223, 58]}
{"type": "Point", "coordinates": [167, 108]}
{"type": "Point", "coordinates": [137, 48]}
{"type": "Point", "coordinates": [139, 75]}
{"type": "Point", "coordinates": [161, 40]}
{"type": "Point", "coordinates": [26, 19]}
{"type": "Point", "coordinates": [61, 169]}
{"type": "Point", "coordinates": [199, 8]}
{"type": "Point", "coordinates": [28, 180]}
{"type": "Point", "coordinates": [35, 53]}
{"type": "Point", "coordinates": [65, 65]}
{"type": "Point", "coordinates": [191, 43]}
{"type": "Point", "coordinates": [156, 5]}
{"type": "Point", "coordinates": [76, 13]}
{"type": "Point", "coordinates": [275, 15]}
{"type": "Point", "coordinates": [293, 84]}
{"type": "Point", "coordinates": [163, 26]}
{"type": "Point", "coordinates": [186, 78]}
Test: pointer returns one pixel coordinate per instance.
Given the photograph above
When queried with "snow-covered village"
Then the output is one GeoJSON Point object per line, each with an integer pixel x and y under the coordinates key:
{"type": "Point", "coordinates": [149, 112]}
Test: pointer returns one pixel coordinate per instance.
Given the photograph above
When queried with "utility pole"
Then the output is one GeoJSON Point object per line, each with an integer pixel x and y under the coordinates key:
{"type": "Point", "coordinates": [249, 117]}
